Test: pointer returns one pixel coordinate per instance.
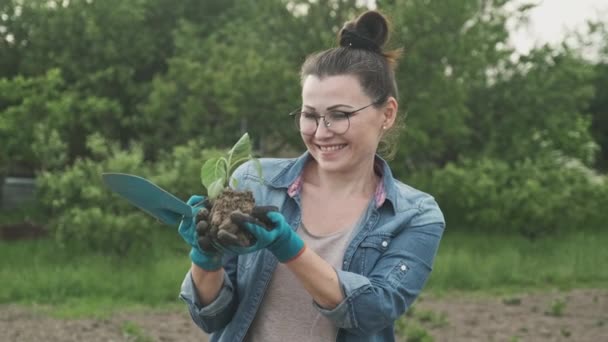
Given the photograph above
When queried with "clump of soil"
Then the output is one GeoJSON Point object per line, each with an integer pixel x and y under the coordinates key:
{"type": "Point", "coordinates": [215, 226]}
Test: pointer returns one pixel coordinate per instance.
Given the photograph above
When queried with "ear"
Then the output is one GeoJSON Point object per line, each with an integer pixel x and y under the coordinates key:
{"type": "Point", "coordinates": [390, 112]}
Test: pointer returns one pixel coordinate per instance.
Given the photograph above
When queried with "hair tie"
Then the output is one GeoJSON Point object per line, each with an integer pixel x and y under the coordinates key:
{"type": "Point", "coordinates": [352, 39]}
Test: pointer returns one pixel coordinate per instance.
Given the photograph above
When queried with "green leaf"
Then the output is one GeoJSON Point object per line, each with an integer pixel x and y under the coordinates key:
{"type": "Point", "coordinates": [212, 170]}
{"type": "Point", "coordinates": [235, 182]}
{"type": "Point", "coordinates": [216, 187]}
{"type": "Point", "coordinates": [241, 150]}
{"type": "Point", "coordinates": [220, 168]}
{"type": "Point", "coordinates": [236, 163]}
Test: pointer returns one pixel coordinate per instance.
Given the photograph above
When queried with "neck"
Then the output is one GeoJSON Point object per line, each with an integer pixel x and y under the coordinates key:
{"type": "Point", "coordinates": [359, 182]}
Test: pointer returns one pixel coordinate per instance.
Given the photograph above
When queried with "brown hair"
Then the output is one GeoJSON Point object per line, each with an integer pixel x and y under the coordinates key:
{"type": "Point", "coordinates": [360, 53]}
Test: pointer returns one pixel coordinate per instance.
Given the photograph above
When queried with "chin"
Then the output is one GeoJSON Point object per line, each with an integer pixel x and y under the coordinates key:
{"type": "Point", "coordinates": [332, 168]}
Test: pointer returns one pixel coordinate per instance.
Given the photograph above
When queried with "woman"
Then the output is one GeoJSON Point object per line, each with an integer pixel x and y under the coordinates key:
{"type": "Point", "coordinates": [350, 246]}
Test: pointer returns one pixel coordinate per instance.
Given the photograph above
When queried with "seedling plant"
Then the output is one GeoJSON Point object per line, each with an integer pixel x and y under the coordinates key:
{"type": "Point", "coordinates": [217, 176]}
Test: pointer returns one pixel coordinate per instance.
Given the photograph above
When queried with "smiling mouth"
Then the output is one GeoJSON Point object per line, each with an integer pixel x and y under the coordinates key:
{"type": "Point", "coordinates": [331, 148]}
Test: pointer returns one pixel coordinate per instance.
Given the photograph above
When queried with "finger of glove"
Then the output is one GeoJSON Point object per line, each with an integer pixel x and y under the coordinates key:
{"type": "Point", "coordinates": [195, 199]}
{"type": "Point", "coordinates": [204, 203]}
{"type": "Point", "coordinates": [277, 218]}
{"type": "Point", "coordinates": [227, 238]}
{"type": "Point", "coordinates": [202, 215]}
{"type": "Point", "coordinates": [186, 224]}
{"type": "Point", "coordinates": [241, 220]}
{"type": "Point", "coordinates": [252, 225]}
{"type": "Point", "coordinates": [270, 215]}
{"type": "Point", "coordinates": [202, 228]}
{"type": "Point", "coordinates": [186, 230]}
{"type": "Point", "coordinates": [206, 245]}
{"type": "Point", "coordinates": [261, 213]}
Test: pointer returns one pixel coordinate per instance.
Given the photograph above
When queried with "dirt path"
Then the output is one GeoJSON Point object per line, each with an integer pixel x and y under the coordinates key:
{"type": "Point", "coordinates": [579, 315]}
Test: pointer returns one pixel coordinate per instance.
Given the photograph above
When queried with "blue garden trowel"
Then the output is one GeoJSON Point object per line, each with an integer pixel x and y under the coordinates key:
{"type": "Point", "coordinates": [148, 197]}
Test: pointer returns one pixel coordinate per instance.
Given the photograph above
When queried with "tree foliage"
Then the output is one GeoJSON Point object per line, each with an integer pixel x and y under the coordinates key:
{"type": "Point", "coordinates": [157, 73]}
{"type": "Point", "coordinates": [525, 112]}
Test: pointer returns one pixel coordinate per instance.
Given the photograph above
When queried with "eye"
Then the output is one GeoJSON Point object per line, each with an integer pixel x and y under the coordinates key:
{"type": "Point", "coordinates": [338, 116]}
{"type": "Point", "coordinates": [309, 116]}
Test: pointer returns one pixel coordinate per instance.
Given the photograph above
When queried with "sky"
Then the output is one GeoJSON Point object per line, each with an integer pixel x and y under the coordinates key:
{"type": "Point", "coordinates": [552, 19]}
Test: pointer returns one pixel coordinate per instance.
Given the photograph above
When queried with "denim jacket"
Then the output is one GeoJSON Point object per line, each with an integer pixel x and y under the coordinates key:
{"type": "Point", "coordinates": [385, 265]}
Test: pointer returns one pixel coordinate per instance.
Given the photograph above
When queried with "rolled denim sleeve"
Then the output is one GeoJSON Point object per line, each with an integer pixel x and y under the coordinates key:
{"type": "Point", "coordinates": [216, 314]}
{"type": "Point", "coordinates": [373, 302]}
{"type": "Point", "coordinates": [352, 285]}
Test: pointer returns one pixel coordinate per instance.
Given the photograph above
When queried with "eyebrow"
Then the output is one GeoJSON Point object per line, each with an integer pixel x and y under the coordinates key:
{"type": "Point", "coordinates": [330, 107]}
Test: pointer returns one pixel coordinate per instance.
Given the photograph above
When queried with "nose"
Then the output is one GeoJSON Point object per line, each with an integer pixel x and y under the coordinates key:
{"type": "Point", "coordinates": [326, 122]}
{"type": "Point", "coordinates": [323, 129]}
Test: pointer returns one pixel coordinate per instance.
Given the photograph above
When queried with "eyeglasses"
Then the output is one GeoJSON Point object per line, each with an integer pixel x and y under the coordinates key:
{"type": "Point", "coordinates": [336, 121]}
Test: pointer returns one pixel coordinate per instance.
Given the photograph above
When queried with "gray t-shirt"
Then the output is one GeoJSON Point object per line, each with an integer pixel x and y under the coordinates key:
{"type": "Point", "coordinates": [286, 312]}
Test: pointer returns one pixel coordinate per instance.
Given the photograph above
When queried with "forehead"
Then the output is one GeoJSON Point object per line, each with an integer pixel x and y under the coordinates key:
{"type": "Point", "coordinates": [331, 90]}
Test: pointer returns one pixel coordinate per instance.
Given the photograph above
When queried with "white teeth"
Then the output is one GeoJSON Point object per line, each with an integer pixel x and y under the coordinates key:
{"type": "Point", "coordinates": [331, 148]}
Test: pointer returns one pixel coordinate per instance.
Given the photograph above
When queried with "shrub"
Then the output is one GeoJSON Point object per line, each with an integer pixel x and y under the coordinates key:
{"type": "Point", "coordinates": [532, 197]}
{"type": "Point", "coordinates": [81, 210]}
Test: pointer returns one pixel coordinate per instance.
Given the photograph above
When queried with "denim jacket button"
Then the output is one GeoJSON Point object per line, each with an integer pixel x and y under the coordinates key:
{"type": "Point", "coordinates": [384, 243]}
{"type": "Point", "coordinates": [403, 267]}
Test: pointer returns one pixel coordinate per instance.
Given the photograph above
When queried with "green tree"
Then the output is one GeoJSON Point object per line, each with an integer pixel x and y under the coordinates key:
{"type": "Point", "coordinates": [43, 123]}
{"type": "Point", "coordinates": [98, 58]}
{"type": "Point", "coordinates": [243, 76]}
{"type": "Point", "coordinates": [599, 105]}
{"type": "Point", "coordinates": [537, 104]}
{"type": "Point", "coordinates": [448, 49]}
{"type": "Point", "coordinates": [467, 93]}
{"type": "Point", "coordinates": [599, 110]}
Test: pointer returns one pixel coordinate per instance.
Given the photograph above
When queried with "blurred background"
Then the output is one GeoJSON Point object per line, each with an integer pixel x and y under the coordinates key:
{"type": "Point", "coordinates": [505, 105]}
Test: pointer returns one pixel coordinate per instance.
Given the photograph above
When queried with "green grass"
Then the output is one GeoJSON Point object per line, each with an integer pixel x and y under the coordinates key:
{"type": "Point", "coordinates": [557, 308]}
{"type": "Point", "coordinates": [412, 330]}
{"type": "Point", "coordinates": [135, 332]}
{"type": "Point", "coordinates": [73, 283]}
{"type": "Point", "coordinates": [69, 283]}
{"type": "Point", "coordinates": [508, 263]}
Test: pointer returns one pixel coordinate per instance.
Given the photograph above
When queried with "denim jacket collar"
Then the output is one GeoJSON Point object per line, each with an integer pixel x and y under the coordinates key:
{"type": "Point", "coordinates": [286, 177]}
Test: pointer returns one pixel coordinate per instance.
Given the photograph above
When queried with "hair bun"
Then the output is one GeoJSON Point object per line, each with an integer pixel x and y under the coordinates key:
{"type": "Point", "coordinates": [369, 31]}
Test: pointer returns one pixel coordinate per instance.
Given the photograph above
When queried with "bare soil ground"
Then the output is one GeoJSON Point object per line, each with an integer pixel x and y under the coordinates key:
{"type": "Point", "coordinates": [578, 315]}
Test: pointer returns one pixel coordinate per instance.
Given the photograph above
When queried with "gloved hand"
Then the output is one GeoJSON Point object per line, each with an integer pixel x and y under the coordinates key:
{"type": "Point", "coordinates": [271, 231]}
{"type": "Point", "coordinates": [202, 253]}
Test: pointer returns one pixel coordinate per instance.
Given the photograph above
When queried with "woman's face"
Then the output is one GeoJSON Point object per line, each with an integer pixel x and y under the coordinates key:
{"type": "Point", "coordinates": [343, 93]}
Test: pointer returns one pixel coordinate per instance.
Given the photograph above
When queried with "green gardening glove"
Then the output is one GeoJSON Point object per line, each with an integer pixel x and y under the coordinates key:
{"type": "Point", "coordinates": [203, 254]}
{"type": "Point", "coordinates": [271, 231]}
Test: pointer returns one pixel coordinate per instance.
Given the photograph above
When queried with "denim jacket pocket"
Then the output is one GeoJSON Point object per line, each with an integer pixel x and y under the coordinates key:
{"type": "Point", "coordinates": [371, 248]}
